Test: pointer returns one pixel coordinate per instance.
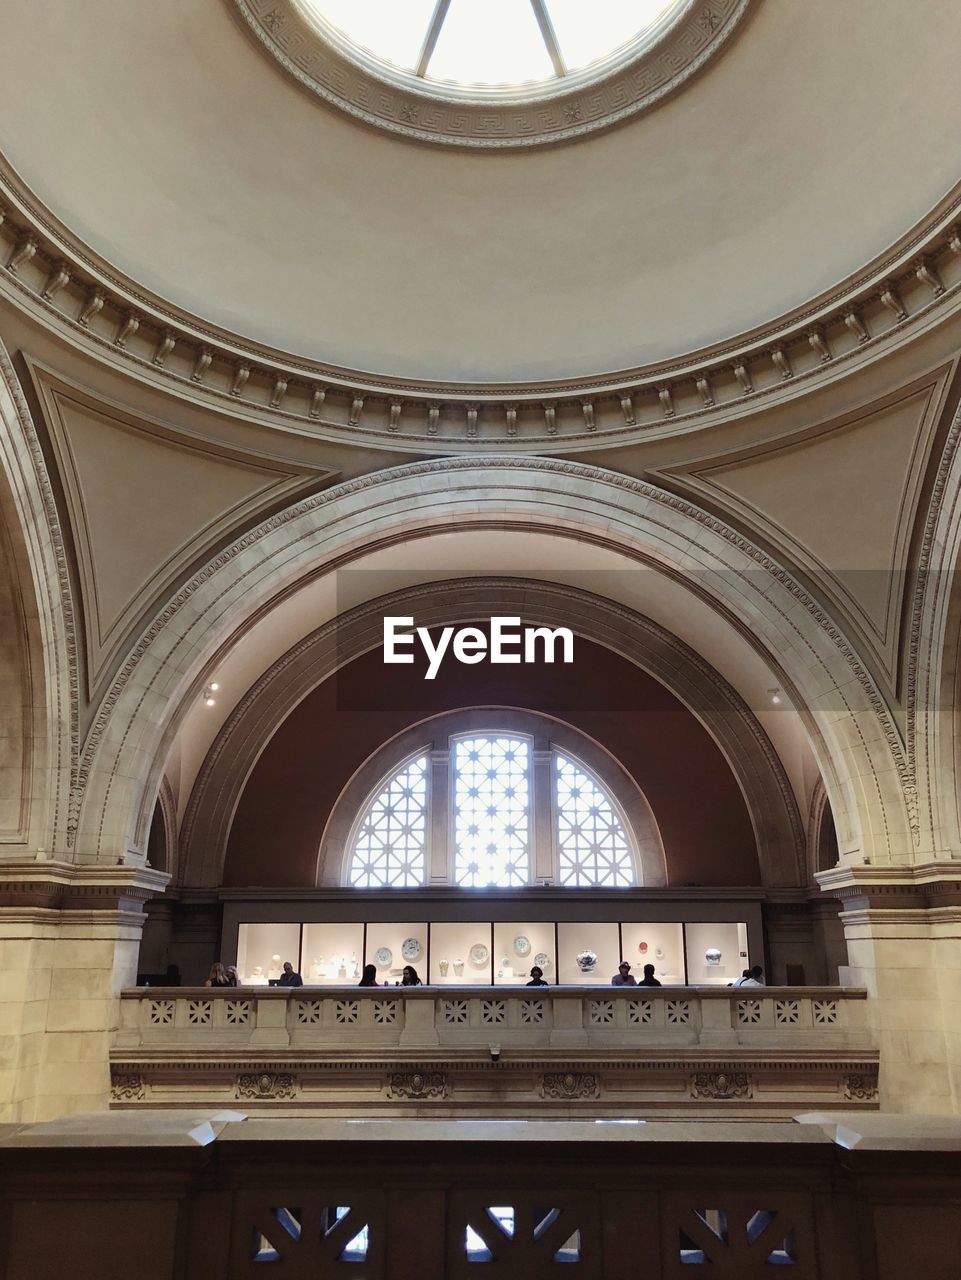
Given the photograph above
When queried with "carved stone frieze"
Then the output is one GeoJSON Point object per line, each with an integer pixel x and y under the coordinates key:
{"type": "Point", "coordinates": [570, 1085]}
{"type": "Point", "coordinates": [95, 304]}
{"type": "Point", "coordinates": [860, 1088]}
{"type": "Point", "coordinates": [413, 1086]}
{"type": "Point", "coordinates": [721, 1085]}
{"type": "Point", "coordinates": [126, 1087]}
{"type": "Point", "coordinates": [267, 1086]}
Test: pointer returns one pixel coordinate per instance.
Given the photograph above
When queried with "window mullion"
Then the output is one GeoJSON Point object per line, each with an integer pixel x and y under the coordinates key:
{"type": "Point", "coordinates": [431, 38]}
{"type": "Point", "coordinates": [440, 868]}
{"type": "Point", "coordinates": [549, 36]}
{"type": "Point", "coordinates": [542, 825]}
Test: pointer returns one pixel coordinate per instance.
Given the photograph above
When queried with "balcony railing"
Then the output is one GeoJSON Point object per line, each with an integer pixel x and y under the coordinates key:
{"type": "Point", "coordinates": [602, 1051]}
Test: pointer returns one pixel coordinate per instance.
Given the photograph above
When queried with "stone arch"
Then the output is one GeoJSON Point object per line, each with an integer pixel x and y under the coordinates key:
{"type": "Point", "coordinates": [857, 745]}
{"type": "Point", "coordinates": [40, 706]}
{"type": "Point", "coordinates": [742, 740]}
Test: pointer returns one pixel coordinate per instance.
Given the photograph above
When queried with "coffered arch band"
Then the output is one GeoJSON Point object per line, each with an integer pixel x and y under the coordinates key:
{"type": "Point", "coordinates": [547, 733]}
{"type": "Point", "coordinates": [856, 744]}
{"type": "Point", "coordinates": [746, 747]}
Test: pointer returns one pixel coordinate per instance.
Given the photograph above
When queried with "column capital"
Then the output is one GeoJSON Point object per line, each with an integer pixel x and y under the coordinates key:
{"type": "Point", "coordinates": [920, 886]}
{"type": "Point", "coordinates": [63, 886]}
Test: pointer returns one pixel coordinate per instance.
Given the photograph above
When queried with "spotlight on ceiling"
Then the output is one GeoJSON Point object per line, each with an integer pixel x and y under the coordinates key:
{"type": "Point", "coordinates": [208, 694]}
{"type": "Point", "coordinates": [776, 696]}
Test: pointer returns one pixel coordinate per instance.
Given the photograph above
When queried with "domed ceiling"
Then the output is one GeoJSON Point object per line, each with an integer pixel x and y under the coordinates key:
{"type": "Point", "coordinates": [168, 139]}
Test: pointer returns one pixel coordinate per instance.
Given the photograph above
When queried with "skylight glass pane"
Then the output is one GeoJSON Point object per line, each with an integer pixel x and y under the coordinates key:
{"type": "Point", "coordinates": [490, 42]}
{"type": "Point", "coordinates": [392, 30]}
{"type": "Point", "coordinates": [491, 812]}
{"type": "Point", "coordinates": [588, 30]}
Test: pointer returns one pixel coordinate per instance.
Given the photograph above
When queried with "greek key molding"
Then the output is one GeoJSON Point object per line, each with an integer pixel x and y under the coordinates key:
{"type": "Point", "coordinates": [47, 270]}
{"type": "Point", "coordinates": [562, 111]}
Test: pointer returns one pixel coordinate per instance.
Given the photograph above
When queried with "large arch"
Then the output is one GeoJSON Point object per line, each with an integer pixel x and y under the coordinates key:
{"type": "Point", "coordinates": [736, 730]}
{"type": "Point", "coordinates": [855, 741]}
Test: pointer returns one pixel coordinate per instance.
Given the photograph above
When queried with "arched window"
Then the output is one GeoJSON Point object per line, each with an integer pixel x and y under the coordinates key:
{"type": "Point", "coordinates": [486, 810]}
{"type": "Point", "coordinates": [389, 847]}
{"type": "Point", "coordinates": [491, 811]}
{"type": "Point", "coordinates": [592, 845]}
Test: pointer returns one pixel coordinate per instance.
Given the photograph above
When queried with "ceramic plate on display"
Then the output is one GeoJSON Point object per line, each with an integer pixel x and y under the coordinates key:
{"type": "Point", "coordinates": [410, 949]}
{"type": "Point", "coordinates": [522, 945]}
{"type": "Point", "coordinates": [659, 952]}
{"type": "Point", "coordinates": [642, 948]}
{"type": "Point", "coordinates": [542, 960]}
{"type": "Point", "coordinates": [479, 954]}
{"type": "Point", "coordinates": [382, 957]}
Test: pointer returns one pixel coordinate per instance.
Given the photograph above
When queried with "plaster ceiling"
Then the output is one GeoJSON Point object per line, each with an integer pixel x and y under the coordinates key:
{"type": "Point", "coordinates": [162, 136]}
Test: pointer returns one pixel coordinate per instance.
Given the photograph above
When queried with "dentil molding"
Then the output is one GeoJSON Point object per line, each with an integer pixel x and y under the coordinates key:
{"type": "Point", "coordinates": [51, 274]}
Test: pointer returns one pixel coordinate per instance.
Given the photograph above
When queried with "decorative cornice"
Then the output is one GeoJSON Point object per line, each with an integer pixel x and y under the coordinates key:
{"type": "Point", "coordinates": [66, 285]}
{"type": "Point", "coordinates": [31, 887]}
{"type": "Point", "coordinates": [912, 889]}
{"type": "Point", "coordinates": [562, 111]}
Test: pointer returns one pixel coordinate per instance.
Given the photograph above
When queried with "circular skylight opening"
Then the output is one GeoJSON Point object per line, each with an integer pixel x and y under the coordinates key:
{"type": "Point", "coordinates": [491, 45]}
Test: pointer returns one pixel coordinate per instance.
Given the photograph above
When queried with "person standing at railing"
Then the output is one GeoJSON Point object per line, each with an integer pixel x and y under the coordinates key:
{"type": "Point", "coordinates": [217, 977]}
{"type": "Point", "coordinates": [623, 977]}
{"type": "Point", "coordinates": [753, 977]}
{"type": "Point", "coordinates": [410, 977]}
{"type": "Point", "coordinates": [537, 977]}
{"type": "Point", "coordinates": [369, 977]}
{"type": "Point", "coordinates": [649, 980]}
{"type": "Point", "coordinates": [289, 978]}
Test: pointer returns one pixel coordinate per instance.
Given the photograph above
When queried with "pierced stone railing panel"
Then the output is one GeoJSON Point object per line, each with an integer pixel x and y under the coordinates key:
{"type": "Point", "coordinates": [323, 1020]}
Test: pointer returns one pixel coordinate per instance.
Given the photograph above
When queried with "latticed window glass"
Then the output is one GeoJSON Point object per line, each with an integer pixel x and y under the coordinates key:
{"type": "Point", "coordinates": [389, 849]}
{"type": "Point", "coordinates": [592, 844]}
{"type": "Point", "coordinates": [491, 811]}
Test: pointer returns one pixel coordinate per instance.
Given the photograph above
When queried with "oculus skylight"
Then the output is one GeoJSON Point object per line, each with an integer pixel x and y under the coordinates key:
{"type": "Point", "coordinates": [492, 44]}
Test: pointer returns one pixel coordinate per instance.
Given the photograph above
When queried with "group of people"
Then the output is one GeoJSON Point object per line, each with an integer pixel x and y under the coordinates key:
{"type": "Point", "coordinates": [226, 976]}
{"type": "Point", "coordinates": [409, 977]}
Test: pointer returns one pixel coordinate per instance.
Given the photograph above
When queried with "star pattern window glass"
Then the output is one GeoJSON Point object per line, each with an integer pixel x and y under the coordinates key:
{"type": "Point", "coordinates": [491, 812]}
{"type": "Point", "coordinates": [389, 849]}
{"type": "Point", "coordinates": [592, 845]}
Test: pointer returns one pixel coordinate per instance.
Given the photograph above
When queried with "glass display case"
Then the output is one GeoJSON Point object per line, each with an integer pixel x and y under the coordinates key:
{"type": "Point", "coordinates": [518, 946]}
{"type": "Point", "coordinates": [332, 954]}
{"type": "Point", "coordinates": [716, 953]}
{"type": "Point", "coordinates": [499, 953]}
{"type": "Point", "coordinates": [587, 953]}
{"type": "Point", "coordinates": [661, 945]}
{"type": "Point", "coordinates": [460, 953]}
{"type": "Point", "coordinates": [392, 946]}
{"type": "Point", "coordinates": [262, 950]}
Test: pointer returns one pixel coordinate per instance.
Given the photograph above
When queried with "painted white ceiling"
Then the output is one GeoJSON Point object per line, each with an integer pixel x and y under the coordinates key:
{"type": "Point", "coordinates": [175, 147]}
